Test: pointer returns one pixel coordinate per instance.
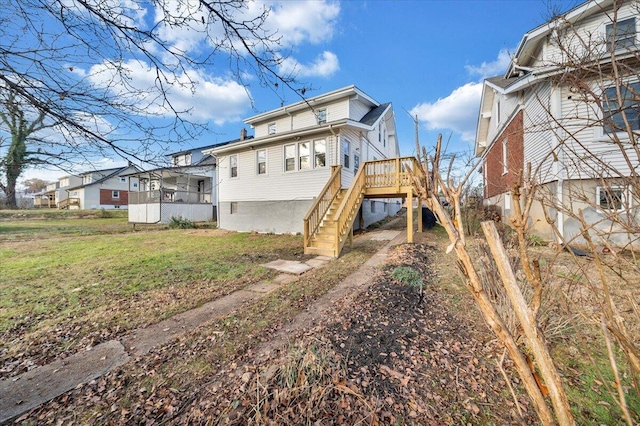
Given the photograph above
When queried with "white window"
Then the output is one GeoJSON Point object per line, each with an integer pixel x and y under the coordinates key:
{"type": "Point", "coordinates": [135, 184]}
{"type": "Point", "coordinates": [289, 158]}
{"type": "Point", "coordinates": [380, 132]}
{"type": "Point", "coordinates": [320, 153]}
{"type": "Point", "coordinates": [384, 137]}
{"type": "Point", "coordinates": [123, 180]}
{"type": "Point", "coordinates": [115, 194]}
{"type": "Point", "coordinates": [87, 179]}
{"type": "Point", "coordinates": [621, 34]}
{"type": "Point", "coordinates": [261, 158]}
{"type": "Point", "coordinates": [233, 165]}
{"type": "Point", "coordinates": [507, 201]}
{"type": "Point", "coordinates": [272, 128]}
{"type": "Point", "coordinates": [611, 198]}
{"type": "Point", "coordinates": [346, 152]}
{"type": "Point", "coordinates": [304, 160]}
{"type": "Point", "coordinates": [627, 106]}
{"type": "Point", "coordinates": [322, 116]}
{"type": "Point", "coordinates": [505, 156]}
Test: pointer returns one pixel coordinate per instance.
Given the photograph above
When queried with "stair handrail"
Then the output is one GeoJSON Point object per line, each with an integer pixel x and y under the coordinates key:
{"type": "Point", "coordinates": [319, 208]}
{"type": "Point", "coordinates": [345, 210]}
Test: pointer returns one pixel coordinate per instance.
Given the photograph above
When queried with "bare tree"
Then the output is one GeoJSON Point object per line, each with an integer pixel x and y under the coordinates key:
{"type": "Point", "coordinates": [76, 63]}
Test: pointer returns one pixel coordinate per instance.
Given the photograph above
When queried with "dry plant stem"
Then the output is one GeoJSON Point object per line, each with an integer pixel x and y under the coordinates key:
{"type": "Point", "coordinates": [622, 402]}
{"type": "Point", "coordinates": [428, 192]}
{"type": "Point", "coordinates": [615, 324]}
{"type": "Point", "coordinates": [535, 341]}
{"type": "Point", "coordinates": [506, 379]}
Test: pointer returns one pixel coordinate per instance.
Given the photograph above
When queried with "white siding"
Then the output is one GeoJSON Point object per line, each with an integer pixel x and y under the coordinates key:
{"type": "Point", "coordinates": [502, 110]}
{"type": "Point", "coordinates": [539, 133]}
{"type": "Point", "coordinates": [276, 184]}
{"type": "Point", "coordinates": [357, 109]}
{"type": "Point", "coordinates": [587, 35]}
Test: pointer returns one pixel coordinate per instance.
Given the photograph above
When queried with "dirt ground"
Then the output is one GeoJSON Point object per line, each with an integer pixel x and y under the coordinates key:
{"type": "Point", "coordinates": [378, 357]}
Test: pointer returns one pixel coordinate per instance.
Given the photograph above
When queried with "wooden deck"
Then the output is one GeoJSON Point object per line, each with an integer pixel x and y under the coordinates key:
{"type": "Point", "coordinates": [329, 222]}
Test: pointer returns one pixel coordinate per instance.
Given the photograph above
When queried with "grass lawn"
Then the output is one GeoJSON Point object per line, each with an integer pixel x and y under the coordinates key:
{"type": "Point", "coordinates": [70, 282]}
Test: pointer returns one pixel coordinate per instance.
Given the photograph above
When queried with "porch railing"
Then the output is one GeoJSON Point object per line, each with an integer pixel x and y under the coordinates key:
{"type": "Point", "coordinates": [322, 203]}
{"type": "Point", "coordinates": [391, 173]}
{"type": "Point", "coordinates": [169, 196]}
{"type": "Point", "coordinates": [68, 202]}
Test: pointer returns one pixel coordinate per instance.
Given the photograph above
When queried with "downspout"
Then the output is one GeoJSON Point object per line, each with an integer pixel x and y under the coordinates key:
{"type": "Point", "coordinates": [557, 112]}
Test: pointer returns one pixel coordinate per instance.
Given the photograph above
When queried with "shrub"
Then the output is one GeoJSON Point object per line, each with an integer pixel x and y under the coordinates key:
{"type": "Point", "coordinates": [105, 214]}
{"type": "Point", "coordinates": [409, 276]}
{"type": "Point", "coordinates": [178, 222]}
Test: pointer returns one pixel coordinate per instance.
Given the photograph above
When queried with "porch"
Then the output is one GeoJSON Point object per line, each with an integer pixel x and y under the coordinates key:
{"type": "Point", "coordinates": [329, 223]}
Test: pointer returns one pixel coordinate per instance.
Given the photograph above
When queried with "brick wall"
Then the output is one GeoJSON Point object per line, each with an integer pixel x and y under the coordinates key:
{"type": "Point", "coordinates": [497, 181]}
{"type": "Point", "coordinates": [106, 197]}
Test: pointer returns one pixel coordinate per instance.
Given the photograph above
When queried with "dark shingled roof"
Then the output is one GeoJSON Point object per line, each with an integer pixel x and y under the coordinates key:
{"type": "Point", "coordinates": [207, 160]}
{"type": "Point", "coordinates": [372, 116]}
{"type": "Point", "coordinates": [109, 173]}
{"type": "Point", "coordinates": [216, 145]}
{"type": "Point", "coordinates": [501, 82]}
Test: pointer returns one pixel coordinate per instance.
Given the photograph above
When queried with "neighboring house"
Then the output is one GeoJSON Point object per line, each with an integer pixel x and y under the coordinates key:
{"type": "Point", "coordinates": [99, 189]}
{"type": "Point", "coordinates": [61, 196]}
{"type": "Point", "coordinates": [186, 189]}
{"type": "Point", "coordinates": [543, 113]}
{"type": "Point", "coordinates": [47, 197]}
{"type": "Point", "coordinates": [270, 182]}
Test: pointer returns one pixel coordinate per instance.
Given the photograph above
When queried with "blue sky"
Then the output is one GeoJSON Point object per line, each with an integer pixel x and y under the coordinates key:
{"type": "Point", "coordinates": [426, 57]}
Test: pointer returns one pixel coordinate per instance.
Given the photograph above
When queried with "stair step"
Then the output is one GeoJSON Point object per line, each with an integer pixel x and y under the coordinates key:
{"type": "Point", "coordinates": [322, 244]}
{"type": "Point", "coordinates": [319, 251]}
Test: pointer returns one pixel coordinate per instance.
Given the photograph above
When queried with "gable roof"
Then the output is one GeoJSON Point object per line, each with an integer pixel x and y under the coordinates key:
{"type": "Point", "coordinates": [311, 103]}
{"type": "Point", "coordinates": [202, 148]}
{"type": "Point", "coordinates": [108, 174]}
{"type": "Point", "coordinates": [374, 115]}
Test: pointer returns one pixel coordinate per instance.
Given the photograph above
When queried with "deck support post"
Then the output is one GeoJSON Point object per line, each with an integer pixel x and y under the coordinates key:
{"type": "Point", "coordinates": [351, 237]}
{"type": "Point", "coordinates": [410, 217]}
{"type": "Point", "coordinates": [419, 215]}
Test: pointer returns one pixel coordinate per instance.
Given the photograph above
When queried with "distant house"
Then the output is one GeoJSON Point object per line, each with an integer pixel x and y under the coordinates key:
{"type": "Point", "coordinates": [185, 189]}
{"type": "Point", "coordinates": [567, 122]}
{"type": "Point", "coordinates": [99, 189]}
{"type": "Point", "coordinates": [270, 182]}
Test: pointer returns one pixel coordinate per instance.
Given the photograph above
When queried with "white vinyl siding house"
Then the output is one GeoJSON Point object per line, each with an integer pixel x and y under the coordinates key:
{"type": "Point", "coordinates": [573, 148]}
{"type": "Point", "coordinates": [299, 156]}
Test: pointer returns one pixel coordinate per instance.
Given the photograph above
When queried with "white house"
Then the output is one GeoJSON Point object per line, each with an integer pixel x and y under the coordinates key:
{"type": "Point", "coordinates": [560, 109]}
{"type": "Point", "coordinates": [99, 189]}
{"type": "Point", "coordinates": [268, 183]}
{"type": "Point", "coordinates": [185, 189]}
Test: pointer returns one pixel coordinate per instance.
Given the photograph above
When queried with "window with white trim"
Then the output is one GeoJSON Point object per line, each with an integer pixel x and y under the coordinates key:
{"type": "Point", "coordinates": [618, 109]}
{"type": "Point", "coordinates": [322, 116]}
{"type": "Point", "coordinates": [261, 160]}
{"type": "Point", "coordinates": [115, 194]}
{"type": "Point", "coordinates": [233, 165]}
{"type": "Point", "coordinates": [505, 156]}
{"type": "Point", "coordinates": [346, 152]}
{"type": "Point", "coordinates": [622, 34]}
{"type": "Point", "coordinates": [304, 157]}
{"type": "Point", "coordinates": [289, 158]}
{"type": "Point", "coordinates": [319, 153]}
{"type": "Point", "coordinates": [123, 180]}
{"type": "Point", "coordinates": [611, 198]}
{"type": "Point", "coordinates": [272, 128]}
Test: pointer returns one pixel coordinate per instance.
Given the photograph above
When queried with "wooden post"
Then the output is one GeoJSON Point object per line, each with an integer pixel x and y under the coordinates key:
{"type": "Point", "coordinates": [410, 216]}
{"type": "Point", "coordinates": [419, 214]}
{"type": "Point", "coordinates": [351, 237]}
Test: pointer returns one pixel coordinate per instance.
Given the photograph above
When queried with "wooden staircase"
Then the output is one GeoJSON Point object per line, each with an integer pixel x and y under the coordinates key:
{"type": "Point", "coordinates": [329, 223]}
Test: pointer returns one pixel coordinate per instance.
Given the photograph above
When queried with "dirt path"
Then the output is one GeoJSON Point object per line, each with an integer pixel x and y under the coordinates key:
{"type": "Point", "coordinates": [22, 393]}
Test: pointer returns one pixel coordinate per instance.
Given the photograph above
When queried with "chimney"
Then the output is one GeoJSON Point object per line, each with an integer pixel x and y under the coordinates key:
{"type": "Point", "coordinates": [243, 134]}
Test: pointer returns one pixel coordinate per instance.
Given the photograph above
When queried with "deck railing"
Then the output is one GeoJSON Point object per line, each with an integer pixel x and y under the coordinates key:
{"type": "Point", "coordinates": [391, 173]}
{"type": "Point", "coordinates": [349, 206]}
{"type": "Point", "coordinates": [168, 196]}
{"type": "Point", "coordinates": [68, 202]}
{"type": "Point", "coordinates": [322, 203]}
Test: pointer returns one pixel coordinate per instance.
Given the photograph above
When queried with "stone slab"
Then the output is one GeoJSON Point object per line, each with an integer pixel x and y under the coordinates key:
{"type": "Point", "coordinates": [315, 263]}
{"type": "Point", "coordinates": [384, 235]}
{"type": "Point", "coordinates": [28, 390]}
{"type": "Point", "coordinates": [262, 287]}
{"type": "Point", "coordinates": [288, 266]}
{"type": "Point", "coordinates": [327, 258]}
{"type": "Point", "coordinates": [285, 279]}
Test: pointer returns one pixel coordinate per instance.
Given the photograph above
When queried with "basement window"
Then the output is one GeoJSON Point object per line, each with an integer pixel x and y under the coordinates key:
{"type": "Point", "coordinates": [234, 207]}
{"type": "Point", "coordinates": [610, 198]}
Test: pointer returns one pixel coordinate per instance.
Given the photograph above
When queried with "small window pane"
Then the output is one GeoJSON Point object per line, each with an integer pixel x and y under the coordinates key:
{"type": "Point", "coordinates": [346, 150]}
{"type": "Point", "coordinates": [262, 161]}
{"type": "Point", "coordinates": [322, 116]}
{"type": "Point", "coordinates": [615, 113]}
{"type": "Point", "coordinates": [234, 165]}
{"type": "Point", "coordinates": [610, 198]}
{"type": "Point", "coordinates": [625, 34]}
{"type": "Point", "coordinates": [320, 149]}
{"type": "Point", "coordinates": [272, 128]}
{"type": "Point", "coordinates": [303, 152]}
{"type": "Point", "coordinates": [289, 158]}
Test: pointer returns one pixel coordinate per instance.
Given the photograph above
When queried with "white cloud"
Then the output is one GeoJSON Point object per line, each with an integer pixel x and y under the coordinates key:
{"type": "Point", "coordinates": [457, 112]}
{"type": "Point", "coordinates": [490, 69]}
{"type": "Point", "coordinates": [323, 65]}
{"type": "Point", "coordinates": [299, 21]}
{"type": "Point", "coordinates": [206, 98]}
